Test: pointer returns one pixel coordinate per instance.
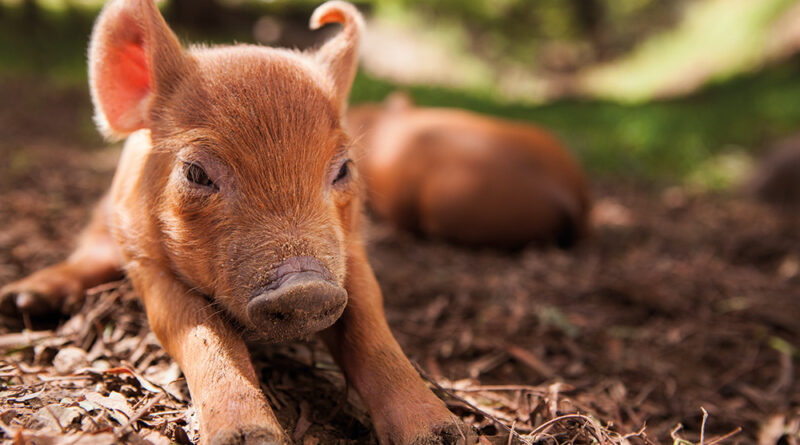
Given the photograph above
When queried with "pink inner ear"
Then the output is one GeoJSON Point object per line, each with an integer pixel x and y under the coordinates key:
{"type": "Point", "coordinates": [134, 67]}
{"type": "Point", "coordinates": [332, 16]}
{"type": "Point", "coordinates": [125, 84]}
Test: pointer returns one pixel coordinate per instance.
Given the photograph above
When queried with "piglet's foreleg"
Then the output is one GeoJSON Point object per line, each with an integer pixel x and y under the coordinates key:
{"type": "Point", "coordinates": [223, 384]}
{"type": "Point", "coordinates": [402, 408]}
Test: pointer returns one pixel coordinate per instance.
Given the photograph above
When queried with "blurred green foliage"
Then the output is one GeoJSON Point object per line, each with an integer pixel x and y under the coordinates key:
{"type": "Point", "coordinates": [716, 39]}
{"type": "Point", "coordinates": [660, 140]}
{"type": "Point", "coordinates": [519, 30]}
{"type": "Point", "coordinates": [48, 42]}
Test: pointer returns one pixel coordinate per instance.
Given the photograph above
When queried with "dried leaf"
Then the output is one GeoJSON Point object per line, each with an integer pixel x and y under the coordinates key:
{"type": "Point", "coordinates": [116, 404]}
{"type": "Point", "coordinates": [27, 397]}
{"type": "Point", "coordinates": [69, 359]}
{"type": "Point", "coordinates": [17, 340]}
{"type": "Point", "coordinates": [54, 417]}
{"type": "Point", "coordinates": [303, 423]}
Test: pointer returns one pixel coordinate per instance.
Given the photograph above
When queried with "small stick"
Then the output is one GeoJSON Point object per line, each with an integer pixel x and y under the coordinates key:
{"type": "Point", "coordinates": [58, 422]}
{"type": "Point", "coordinates": [99, 289]}
{"type": "Point", "coordinates": [513, 425]}
{"type": "Point", "coordinates": [166, 413]}
{"type": "Point", "coordinates": [26, 321]}
{"type": "Point", "coordinates": [529, 360]}
{"type": "Point", "coordinates": [533, 389]}
{"type": "Point", "coordinates": [25, 338]}
{"type": "Point", "coordinates": [725, 436]}
{"type": "Point", "coordinates": [64, 378]}
{"type": "Point", "coordinates": [551, 422]}
{"type": "Point", "coordinates": [138, 415]}
{"type": "Point", "coordinates": [674, 432]}
{"type": "Point", "coordinates": [703, 426]}
{"type": "Point", "coordinates": [637, 434]}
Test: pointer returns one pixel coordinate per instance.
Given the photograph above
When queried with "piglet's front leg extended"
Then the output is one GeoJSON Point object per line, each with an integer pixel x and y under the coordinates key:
{"type": "Point", "coordinates": [401, 406]}
{"type": "Point", "coordinates": [213, 357]}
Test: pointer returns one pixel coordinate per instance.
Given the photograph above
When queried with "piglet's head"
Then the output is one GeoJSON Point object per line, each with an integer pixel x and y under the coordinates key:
{"type": "Point", "coordinates": [249, 181]}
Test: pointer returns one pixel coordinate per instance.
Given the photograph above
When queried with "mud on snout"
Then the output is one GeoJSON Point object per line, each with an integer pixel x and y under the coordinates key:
{"type": "Point", "coordinates": [301, 298]}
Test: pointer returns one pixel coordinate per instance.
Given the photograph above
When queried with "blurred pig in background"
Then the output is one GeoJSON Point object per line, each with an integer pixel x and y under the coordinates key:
{"type": "Point", "coordinates": [468, 178]}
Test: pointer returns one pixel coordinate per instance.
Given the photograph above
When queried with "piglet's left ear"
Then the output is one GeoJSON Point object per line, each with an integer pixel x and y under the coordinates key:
{"type": "Point", "coordinates": [133, 58]}
{"type": "Point", "coordinates": [339, 56]}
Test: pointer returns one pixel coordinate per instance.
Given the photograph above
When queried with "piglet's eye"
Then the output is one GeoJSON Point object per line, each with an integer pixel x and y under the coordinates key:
{"type": "Point", "coordinates": [195, 174]}
{"type": "Point", "coordinates": [344, 172]}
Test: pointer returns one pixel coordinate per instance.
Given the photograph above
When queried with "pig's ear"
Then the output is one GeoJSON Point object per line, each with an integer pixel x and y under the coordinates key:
{"type": "Point", "coordinates": [133, 55]}
{"type": "Point", "coordinates": [339, 56]}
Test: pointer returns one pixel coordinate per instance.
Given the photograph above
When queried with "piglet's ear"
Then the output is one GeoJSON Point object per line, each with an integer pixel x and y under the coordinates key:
{"type": "Point", "coordinates": [133, 55]}
{"type": "Point", "coordinates": [339, 56]}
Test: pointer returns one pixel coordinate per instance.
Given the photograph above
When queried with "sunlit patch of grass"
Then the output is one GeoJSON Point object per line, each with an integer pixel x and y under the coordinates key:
{"type": "Point", "coordinates": [722, 171]}
{"type": "Point", "coordinates": [716, 38]}
{"type": "Point", "coordinates": [55, 6]}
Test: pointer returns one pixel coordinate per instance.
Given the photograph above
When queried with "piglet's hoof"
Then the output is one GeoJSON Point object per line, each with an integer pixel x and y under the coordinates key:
{"type": "Point", "coordinates": [46, 291]}
{"type": "Point", "coordinates": [15, 300]}
{"type": "Point", "coordinates": [255, 436]}
{"type": "Point", "coordinates": [449, 434]}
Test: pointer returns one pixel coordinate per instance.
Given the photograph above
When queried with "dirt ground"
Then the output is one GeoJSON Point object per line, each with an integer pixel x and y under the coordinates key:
{"type": "Point", "coordinates": [679, 303]}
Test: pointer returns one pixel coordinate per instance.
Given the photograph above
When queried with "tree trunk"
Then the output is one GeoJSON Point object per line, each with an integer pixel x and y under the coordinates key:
{"type": "Point", "coordinates": [590, 17]}
{"type": "Point", "coordinates": [30, 14]}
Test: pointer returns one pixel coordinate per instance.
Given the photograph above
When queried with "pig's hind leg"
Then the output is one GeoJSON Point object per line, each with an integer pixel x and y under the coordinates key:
{"type": "Point", "coordinates": [61, 286]}
{"type": "Point", "coordinates": [402, 408]}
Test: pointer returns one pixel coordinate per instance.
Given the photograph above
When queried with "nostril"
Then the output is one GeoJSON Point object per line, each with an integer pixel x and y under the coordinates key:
{"type": "Point", "coordinates": [289, 269]}
{"type": "Point", "coordinates": [303, 304]}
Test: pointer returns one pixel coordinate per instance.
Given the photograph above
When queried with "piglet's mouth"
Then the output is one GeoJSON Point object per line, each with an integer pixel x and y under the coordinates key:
{"type": "Point", "coordinates": [301, 299]}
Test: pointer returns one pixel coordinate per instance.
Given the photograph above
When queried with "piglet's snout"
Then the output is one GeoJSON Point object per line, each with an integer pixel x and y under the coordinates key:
{"type": "Point", "coordinates": [300, 299]}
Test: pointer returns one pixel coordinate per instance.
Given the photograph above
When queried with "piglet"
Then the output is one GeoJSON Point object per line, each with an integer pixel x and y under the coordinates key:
{"type": "Point", "coordinates": [236, 204]}
{"type": "Point", "coordinates": [468, 178]}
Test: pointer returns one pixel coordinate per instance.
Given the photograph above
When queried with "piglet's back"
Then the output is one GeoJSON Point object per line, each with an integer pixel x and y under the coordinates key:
{"type": "Point", "coordinates": [468, 178]}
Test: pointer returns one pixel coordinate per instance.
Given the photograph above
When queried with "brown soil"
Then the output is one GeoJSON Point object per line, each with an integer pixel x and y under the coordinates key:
{"type": "Point", "coordinates": [679, 302]}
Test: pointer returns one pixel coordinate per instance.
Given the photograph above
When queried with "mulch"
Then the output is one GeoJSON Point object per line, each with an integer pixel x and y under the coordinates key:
{"type": "Point", "coordinates": [678, 321]}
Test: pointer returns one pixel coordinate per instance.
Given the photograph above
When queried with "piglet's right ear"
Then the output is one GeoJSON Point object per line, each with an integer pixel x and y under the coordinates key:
{"type": "Point", "coordinates": [133, 56]}
{"type": "Point", "coordinates": [339, 55]}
